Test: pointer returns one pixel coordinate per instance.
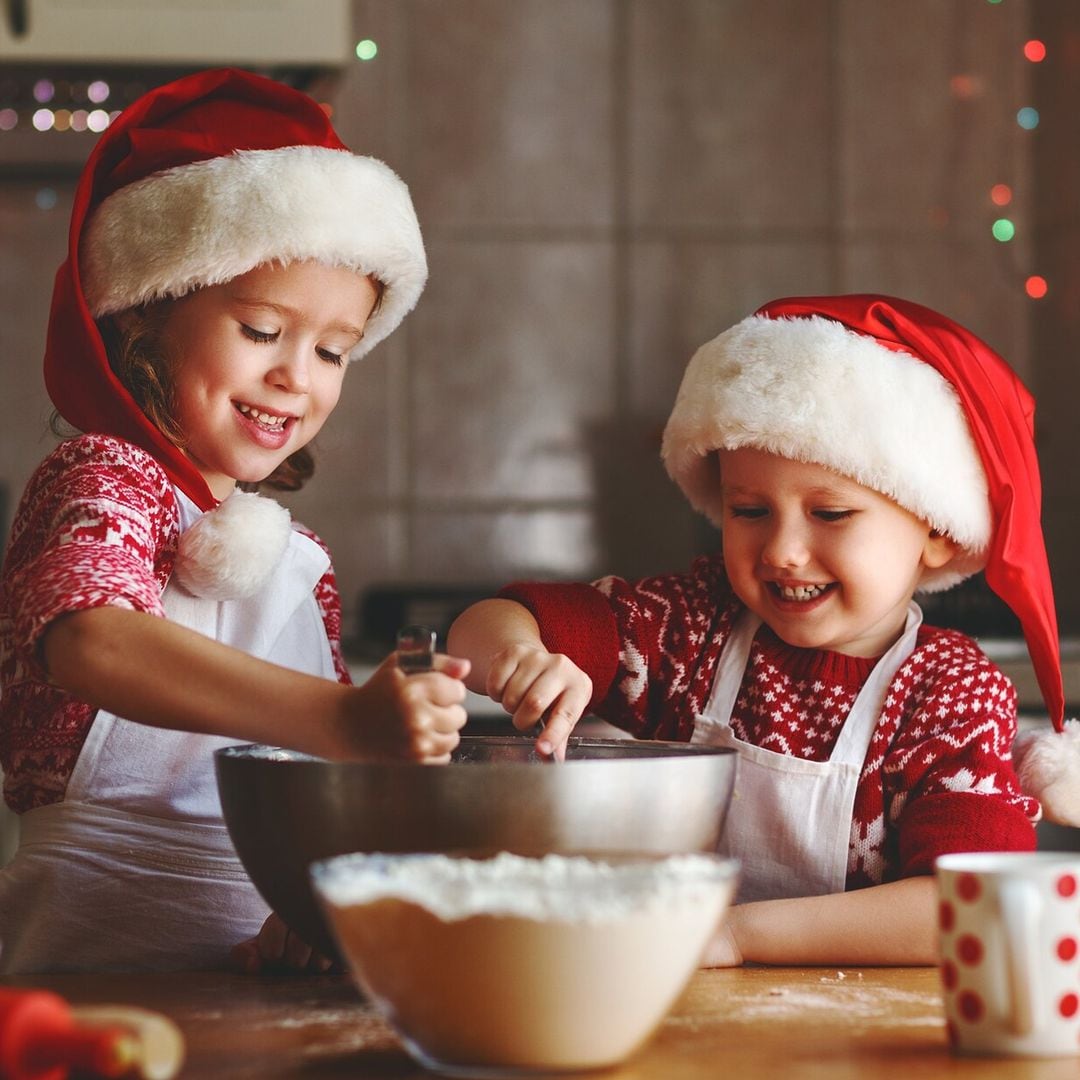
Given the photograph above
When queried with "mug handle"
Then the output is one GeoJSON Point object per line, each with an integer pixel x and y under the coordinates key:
{"type": "Point", "coordinates": [1019, 915]}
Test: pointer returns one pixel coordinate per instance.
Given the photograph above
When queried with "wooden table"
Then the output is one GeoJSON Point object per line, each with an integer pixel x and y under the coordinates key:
{"type": "Point", "coordinates": [741, 1023]}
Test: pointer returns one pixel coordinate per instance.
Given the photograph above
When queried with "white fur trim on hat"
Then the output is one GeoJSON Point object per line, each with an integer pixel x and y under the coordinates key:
{"type": "Point", "coordinates": [211, 221]}
{"type": "Point", "coordinates": [811, 390]}
{"type": "Point", "coordinates": [1048, 764]}
{"type": "Point", "coordinates": [230, 552]}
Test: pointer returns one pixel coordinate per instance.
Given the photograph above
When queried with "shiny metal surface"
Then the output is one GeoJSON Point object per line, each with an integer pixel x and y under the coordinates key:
{"type": "Point", "coordinates": [284, 810]}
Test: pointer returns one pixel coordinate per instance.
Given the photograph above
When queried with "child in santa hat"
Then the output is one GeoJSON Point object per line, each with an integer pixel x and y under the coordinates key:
{"type": "Point", "coordinates": [228, 258]}
{"type": "Point", "coordinates": [853, 450]}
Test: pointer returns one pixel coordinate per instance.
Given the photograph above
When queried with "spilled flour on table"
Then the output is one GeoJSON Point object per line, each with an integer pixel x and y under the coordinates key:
{"type": "Point", "coordinates": [839, 996]}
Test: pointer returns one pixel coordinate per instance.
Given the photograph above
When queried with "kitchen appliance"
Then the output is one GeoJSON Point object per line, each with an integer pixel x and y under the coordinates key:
{"type": "Point", "coordinates": [68, 66]}
{"type": "Point", "coordinates": [285, 810]}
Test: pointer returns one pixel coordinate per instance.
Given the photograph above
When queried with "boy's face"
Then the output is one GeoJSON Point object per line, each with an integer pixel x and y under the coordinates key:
{"type": "Point", "coordinates": [824, 561]}
{"type": "Point", "coordinates": [259, 363]}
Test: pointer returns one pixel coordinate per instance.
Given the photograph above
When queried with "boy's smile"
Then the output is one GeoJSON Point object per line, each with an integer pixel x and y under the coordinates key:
{"type": "Point", "coordinates": [826, 562]}
{"type": "Point", "coordinates": [259, 363]}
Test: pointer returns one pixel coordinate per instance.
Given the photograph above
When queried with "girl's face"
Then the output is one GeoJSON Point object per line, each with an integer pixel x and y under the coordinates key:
{"type": "Point", "coordinates": [824, 561]}
{"type": "Point", "coordinates": [258, 364]}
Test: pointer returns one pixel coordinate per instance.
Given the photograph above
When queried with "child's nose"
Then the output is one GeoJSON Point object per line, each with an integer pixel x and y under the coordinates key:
{"type": "Point", "coordinates": [292, 372]}
{"type": "Point", "coordinates": [785, 546]}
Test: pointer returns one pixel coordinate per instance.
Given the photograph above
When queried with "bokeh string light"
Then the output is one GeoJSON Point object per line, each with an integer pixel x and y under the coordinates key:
{"type": "Point", "coordinates": [1004, 229]}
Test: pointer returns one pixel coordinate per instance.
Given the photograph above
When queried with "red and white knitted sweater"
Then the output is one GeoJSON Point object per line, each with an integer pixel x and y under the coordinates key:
{"type": "Point", "coordinates": [97, 525]}
{"type": "Point", "coordinates": [938, 776]}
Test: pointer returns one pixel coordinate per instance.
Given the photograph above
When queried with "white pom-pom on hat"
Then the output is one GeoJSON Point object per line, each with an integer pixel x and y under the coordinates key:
{"type": "Point", "coordinates": [1048, 764]}
{"type": "Point", "coordinates": [230, 552]}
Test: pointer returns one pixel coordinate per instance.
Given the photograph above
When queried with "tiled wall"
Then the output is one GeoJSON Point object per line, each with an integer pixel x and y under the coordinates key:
{"type": "Point", "coordinates": [1055, 339]}
{"type": "Point", "coordinates": [603, 185]}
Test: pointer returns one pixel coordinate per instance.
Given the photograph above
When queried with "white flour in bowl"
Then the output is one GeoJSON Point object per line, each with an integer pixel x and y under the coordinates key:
{"type": "Point", "coordinates": [570, 888]}
{"type": "Point", "coordinates": [563, 962]}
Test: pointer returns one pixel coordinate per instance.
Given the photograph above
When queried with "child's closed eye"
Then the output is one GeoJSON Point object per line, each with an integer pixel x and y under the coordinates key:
{"type": "Point", "coordinates": [262, 337]}
{"type": "Point", "coordinates": [331, 357]}
{"type": "Point", "coordinates": [750, 512]}
{"type": "Point", "coordinates": [833, 515]}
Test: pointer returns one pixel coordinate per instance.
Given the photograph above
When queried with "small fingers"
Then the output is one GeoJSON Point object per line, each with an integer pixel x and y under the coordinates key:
{"type": "Point", "coordinates": [455, 667]}
{"type": "Point", "coordinates": [436, 734]}
{"type": "Point", "coordinates": [561, 720]}
{"type": "Point", "coordinates": [561, 683]}
{"type": "Point", "coordinates": [511, 672]}
{"type": "Point", "coordinates": [271, 940]}
{"type": "Point", "coordinates": [274, 948]}
{"type": "Point", "coordinates": [244, 958]}
{"type": "Point", "coordinates": [297, 953]}
{"type": "Point", "coordinates": [432, 686]}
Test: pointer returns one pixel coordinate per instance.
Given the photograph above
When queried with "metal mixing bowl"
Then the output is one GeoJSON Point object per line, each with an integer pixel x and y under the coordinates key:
{"type": "Point", "coordinates": [285, 810]}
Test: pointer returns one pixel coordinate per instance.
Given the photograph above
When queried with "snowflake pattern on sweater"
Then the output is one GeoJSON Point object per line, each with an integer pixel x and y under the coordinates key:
{"type": "Point", "coordinates": [938, 775]}
{"type": "Point", "coordinates": [97, 525]}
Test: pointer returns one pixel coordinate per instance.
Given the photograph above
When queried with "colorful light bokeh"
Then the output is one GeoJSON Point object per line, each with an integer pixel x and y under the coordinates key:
{"type": "Point", "coordinates": [1028, 118]}
{"type": "Point", "coordinates": [1001, 194]}
{"type": "Point", "coordinates": [1036, 287]}
{"type": "Point", "coordinates": [1035, 51]}
{"type": "Point", "coordinates": [1003, 230]}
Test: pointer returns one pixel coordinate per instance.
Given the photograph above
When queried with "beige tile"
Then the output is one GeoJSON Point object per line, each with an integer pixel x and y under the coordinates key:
{"type": "Point", "coordinates": [503, 545]}
{"type": "Point", "coordinates": [644, 525]}
{"type": "Point", "coordinates": [925, 119]}
{"type": "Point", "coordinates": [1055, 344]}
{"type": "Point", "coordinates": [512, 358]}
{"type": "Point", "coordinates": [510, 109]}
{"type": "Point", "coordinates": [368, 545]}
{"type": "Point", "coordinates": [1061, 524]}
{"type": "Point", "coordinates": [728, 114]}
{"type": "Point", "coordinates": [975, 282]}
{"type": "Point", "coordinates": [369, 96]}
{"type": "Point", "coordinates": [685, 292]}
{"type": "Point", "coordinates": [360, 451]}
{"type": "Point", "coordinates": [34, 245]}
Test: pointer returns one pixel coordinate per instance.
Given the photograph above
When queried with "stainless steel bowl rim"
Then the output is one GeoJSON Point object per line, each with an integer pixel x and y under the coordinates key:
{"type": "Point", "coordinates": [635, 750]}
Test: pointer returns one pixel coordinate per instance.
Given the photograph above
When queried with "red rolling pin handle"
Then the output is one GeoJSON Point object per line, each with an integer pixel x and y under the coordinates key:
{"type": "Point", "coordinates": [39, 1040]}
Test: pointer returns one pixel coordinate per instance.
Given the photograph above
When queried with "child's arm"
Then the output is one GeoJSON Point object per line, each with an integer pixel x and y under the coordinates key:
{"type": "Point", "coordinates": [502, 641]}
{"type": "Point", "coordinates": [881, 925]}
{"type": "Point", "coordinates": [156, 672]}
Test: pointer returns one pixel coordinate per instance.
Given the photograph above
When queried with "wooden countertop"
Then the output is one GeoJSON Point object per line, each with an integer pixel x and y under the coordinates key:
{"type": "Point", "coordinates": [737, 1023]}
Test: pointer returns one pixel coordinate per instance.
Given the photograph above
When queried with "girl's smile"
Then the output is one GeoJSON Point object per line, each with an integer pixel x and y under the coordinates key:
{"type": "Point", "coordinates": [268, 430]}
{"type": "Point", "coordinates": [824, 561]}
{"type": "Point", "coordinates": [258, 364]}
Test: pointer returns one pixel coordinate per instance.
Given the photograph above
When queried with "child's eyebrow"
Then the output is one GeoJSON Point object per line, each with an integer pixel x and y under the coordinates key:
{"type": "Point", "coordinates": [291, 312]}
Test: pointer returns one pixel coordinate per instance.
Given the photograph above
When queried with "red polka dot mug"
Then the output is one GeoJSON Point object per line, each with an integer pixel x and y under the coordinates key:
{"type": "Point", "coordinates": [1009, 931]}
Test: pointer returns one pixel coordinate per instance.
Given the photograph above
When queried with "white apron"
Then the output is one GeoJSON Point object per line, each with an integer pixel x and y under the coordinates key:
{"type": "Point", "coordinates": [789, 823]}
{"type": "Point", "coordinates": [134, 869]}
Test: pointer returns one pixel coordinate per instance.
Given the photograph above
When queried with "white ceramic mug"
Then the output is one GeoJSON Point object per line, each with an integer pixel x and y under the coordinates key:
{"type": "Point", "coordinates": [1009, 929]}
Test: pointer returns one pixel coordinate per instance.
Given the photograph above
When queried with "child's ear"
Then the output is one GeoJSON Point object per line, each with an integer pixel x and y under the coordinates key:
{"type": "Point", "coordinates": [939, 550]}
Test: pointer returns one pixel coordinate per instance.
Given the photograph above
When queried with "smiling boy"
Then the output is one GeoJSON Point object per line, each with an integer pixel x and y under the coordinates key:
{"type": "Point", "coordinates": [853, 450]}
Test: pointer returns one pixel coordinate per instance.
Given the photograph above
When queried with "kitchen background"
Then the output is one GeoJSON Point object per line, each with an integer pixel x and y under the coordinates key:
{"type": "Point", "coordinates": [604, 185]}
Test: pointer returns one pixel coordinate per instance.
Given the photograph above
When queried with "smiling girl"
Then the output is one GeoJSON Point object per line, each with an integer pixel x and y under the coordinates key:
{"type": "Point", "coordinates": [853, 450]}
{"type": "Point", "coordinates": [229, 257]}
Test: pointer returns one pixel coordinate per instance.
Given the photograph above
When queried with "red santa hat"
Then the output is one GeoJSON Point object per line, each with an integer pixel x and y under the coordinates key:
{"type": "Point", "coordinates": [196, 183]}
{"type": "Point", "coordinates": [909, 403]}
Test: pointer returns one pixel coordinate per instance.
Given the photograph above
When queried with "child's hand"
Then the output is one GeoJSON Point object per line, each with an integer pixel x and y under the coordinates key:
{"type": "Point", "coordinates": [722, 950]}
{"type": "Point", "coordinates": [277, 950]}
{"type": "Point", "coordinates": [406, 717]}
{"type": "Point", "coordinates": [536, 686]}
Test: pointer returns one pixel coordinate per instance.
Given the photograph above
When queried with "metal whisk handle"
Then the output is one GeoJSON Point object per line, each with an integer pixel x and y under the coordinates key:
{"type": "Point", "coordinates": [415, 649]}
